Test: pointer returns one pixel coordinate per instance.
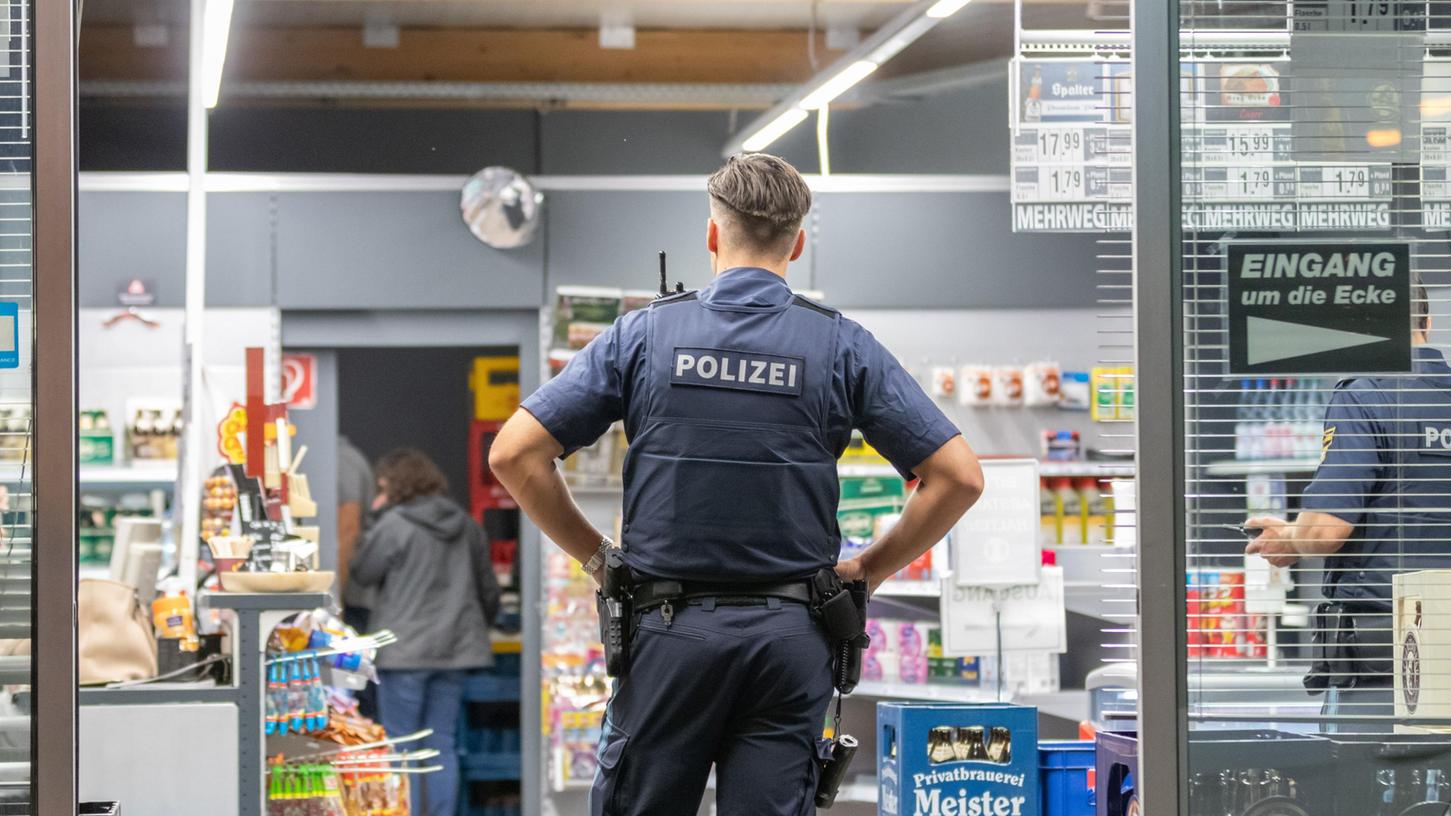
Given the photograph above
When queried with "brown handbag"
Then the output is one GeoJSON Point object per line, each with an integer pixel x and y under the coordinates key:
{"type": "Point", "coordinates": [114, 639]}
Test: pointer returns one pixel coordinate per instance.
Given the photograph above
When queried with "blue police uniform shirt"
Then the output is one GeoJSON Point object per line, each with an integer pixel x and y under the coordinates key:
{"type": "Point", "coordinates": [1386, 469]}
{"type": "Point", "coordinates": [737, 402]}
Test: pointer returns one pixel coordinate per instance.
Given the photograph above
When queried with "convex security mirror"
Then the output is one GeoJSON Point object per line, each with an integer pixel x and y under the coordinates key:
{"type": "Point", "coordinates": [501, 207]}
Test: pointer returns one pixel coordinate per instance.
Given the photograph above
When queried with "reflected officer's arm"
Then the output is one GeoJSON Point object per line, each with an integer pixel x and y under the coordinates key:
{"type": "Point", "coordinates": [1350, 466]}
{"type": "Point", "coordinates": [567, 413]}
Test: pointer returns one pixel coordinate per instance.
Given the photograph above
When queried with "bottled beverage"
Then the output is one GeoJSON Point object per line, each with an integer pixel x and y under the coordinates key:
{"type": "Point", "coordinates": [1241, 422]}
{"type": "Point", "coordinates": [1000, 745]}
{"type": "Point", "coordinates": [968, 744]}
{"type": "Point", "coordinates": [940, 745]}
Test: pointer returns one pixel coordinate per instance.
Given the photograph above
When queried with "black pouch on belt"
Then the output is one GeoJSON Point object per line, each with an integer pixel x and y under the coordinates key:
{"type": "Point", "coordinates": [842, 610]}
{"type": "Point", "coordinates": [1330, 664]}
{"type": "Point", "coordinates": [616, 612]}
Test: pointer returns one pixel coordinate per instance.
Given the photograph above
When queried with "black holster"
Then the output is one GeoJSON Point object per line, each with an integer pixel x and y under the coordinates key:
{"type": "Point", "coordinates": [617, 613]}
{"type": "Point", "coordinates": [1350, 648]}
{"type": "Point", "coordinates": [842, 611]}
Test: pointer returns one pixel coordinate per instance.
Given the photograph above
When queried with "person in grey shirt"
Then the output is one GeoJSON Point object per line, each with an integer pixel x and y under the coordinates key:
{"type": "Point", "coordinates": [436, 589]}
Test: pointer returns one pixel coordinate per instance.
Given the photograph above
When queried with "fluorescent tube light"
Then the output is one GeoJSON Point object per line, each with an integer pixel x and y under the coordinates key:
{"type": "Point", "coordinates": [945, 8]}
{"type": "Point", "coordinates": [837, 85]}
{"type": "Point", "coordinates": [216, 27]}
{"type": "Point", "coordinates": [765, 136]}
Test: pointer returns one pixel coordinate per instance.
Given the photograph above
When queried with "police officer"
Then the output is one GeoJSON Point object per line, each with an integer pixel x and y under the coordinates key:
{"type": "Point", "coordinates": [737, 401]}
{"type": "Point", "coordinates": [1379, 504]}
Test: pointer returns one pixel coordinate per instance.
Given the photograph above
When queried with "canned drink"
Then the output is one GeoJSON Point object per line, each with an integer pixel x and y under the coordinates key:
{"type": "Point", "coordinates": [939, 745]}
{"type": "Point", "coordinates": [1000, 745]}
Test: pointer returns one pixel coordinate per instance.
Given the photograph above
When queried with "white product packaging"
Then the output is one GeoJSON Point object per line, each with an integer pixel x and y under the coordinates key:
{"type": "Point", "coordinates": [975, 385]}
{"type": "Point", "coordinates": [1008, 385]}
{"type": "Point", "coordinates": [1042, 384]}
{"type": "Point", "coordinates": [944, 382]}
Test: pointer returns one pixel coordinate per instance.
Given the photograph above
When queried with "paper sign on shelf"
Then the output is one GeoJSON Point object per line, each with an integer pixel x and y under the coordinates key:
{"type": "Point", "coordinates": [996, 543]}
{"type": "Point", "coordinates": [1033, 617]}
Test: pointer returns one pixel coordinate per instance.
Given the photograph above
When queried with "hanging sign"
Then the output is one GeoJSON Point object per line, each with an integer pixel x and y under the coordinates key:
{"type": "Point", "coordinates": [996, 543]}
{"type": "Point", "coordinates": [1319, 308]}
{"type": "Point", "coordinates": [299, 381]}
{"type": "Point", "coordinates": [1031, 618]}
{"type": "Point", "coordinates": [1072, 146]}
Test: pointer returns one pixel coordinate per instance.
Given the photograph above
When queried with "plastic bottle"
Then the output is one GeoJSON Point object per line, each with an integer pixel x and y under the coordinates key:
{"type": "Point", "coordinates": [276, 699]}
{"type": "Point", "coordinates": [1048, 531]}
{"type": "Point", "coordinates": [1241, 422]}
{"type": "Point", "coordinates": [296, 699]}
{"type": "Point", "coordinates": [316, 698]}
{"type": "Point", "coordinates": [1090, 510]}
{"type": "Point", "coordinates": [913, 654]}
{"type": "Point", "coordinates": [1066, 504]}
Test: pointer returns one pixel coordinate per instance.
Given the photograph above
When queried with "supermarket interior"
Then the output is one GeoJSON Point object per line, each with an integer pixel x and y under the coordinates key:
{"type": "Point", "coordinates": [1174, 271]}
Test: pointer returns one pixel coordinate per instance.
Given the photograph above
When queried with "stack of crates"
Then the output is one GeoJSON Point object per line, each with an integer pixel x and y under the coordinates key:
{"type": "Point", "coordinates": [1392, 774]}
{"type": "Point", "coordinates": [1066, 775]}
{"type": "Point", "coordinates": [1234, 773]}
{"type": "Point", "coordinates": [489, 739]}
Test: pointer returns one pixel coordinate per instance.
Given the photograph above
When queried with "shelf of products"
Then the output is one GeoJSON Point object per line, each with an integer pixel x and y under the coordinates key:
{"type": "Point", "coordinates": [159, 475]}
{"type": "Point", "coordinates": [1101, 470]}
{"type": "Point", "coordinates": [1246, 467]}
{"type": "Point", "coordinates": [909, 589]}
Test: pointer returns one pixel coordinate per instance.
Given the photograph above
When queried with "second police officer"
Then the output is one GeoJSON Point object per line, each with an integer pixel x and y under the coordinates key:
{"type": "Point", "coordinates": [737, 401]}
{"type": "Point", "coordinates": [1379, 504]}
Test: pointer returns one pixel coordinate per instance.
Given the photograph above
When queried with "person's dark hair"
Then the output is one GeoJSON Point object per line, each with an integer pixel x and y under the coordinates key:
{"type": "Point", "coordinates": [762, 199]}
{"type": "Point", "coordinates": [409, 474]}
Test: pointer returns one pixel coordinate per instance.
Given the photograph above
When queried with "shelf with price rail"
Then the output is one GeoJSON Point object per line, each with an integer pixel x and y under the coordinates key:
{"type": "Point", "coordinates": [1249, 467]}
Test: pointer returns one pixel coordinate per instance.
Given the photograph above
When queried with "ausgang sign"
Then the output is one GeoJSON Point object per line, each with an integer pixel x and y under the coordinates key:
{"type": "Point", "coordinates": [1316, 308]}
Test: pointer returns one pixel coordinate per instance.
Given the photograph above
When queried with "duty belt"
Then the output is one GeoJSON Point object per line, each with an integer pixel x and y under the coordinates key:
{"type": "Point", "coordinates": [651, 594]}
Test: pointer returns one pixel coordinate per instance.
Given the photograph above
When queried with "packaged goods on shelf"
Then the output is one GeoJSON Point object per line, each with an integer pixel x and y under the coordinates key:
{"type": "Point", "coordinates": [582, 312]}
{"type": "Point", "coordinates": [859, 452]}
{"type": "Point", "coordinates": [1112, 394]}
{"type": "Point", "coordinates": [153, 429]}
{"type": "Point", "coordinates": [600, 464]}
{"type": "Point", "coordinates": [1219, 625]}
{"type": "Point", "coordinates": [1075, 394]}
{"type": "Point", "coordinates": [98, 514]}
{"type": "Point", "coordinates": [96, 443]}
{"type": "Point", "coordinates": [944, 382]}
{"type": "Point", "coordinates": [935, 759]}
{"type": "Point", "coordinates": [1276, 419]}
{"type": "Point", "coordinates": [976, 385]}
{"type": "Point", "coordinates": [1042, 384]}
{"type": "Point", "coordinates": [1008, 386]}
{"type": "Point", "coordinates": [1064, 445]}
{"type": "Point", "coordinates": [15, 433]}
{"type": "Point", "coordinates": [573, 673]}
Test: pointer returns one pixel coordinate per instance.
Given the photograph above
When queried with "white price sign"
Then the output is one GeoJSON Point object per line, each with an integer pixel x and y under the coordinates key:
{"type": "Point", "coordinates": [1433, 144]}
{"type": "Point", "coordinates": [1241, 183]}
{"type": "Point", "coordinates": [1242, 145]}
{"type": "Point", "coordinates": [1345, 181]}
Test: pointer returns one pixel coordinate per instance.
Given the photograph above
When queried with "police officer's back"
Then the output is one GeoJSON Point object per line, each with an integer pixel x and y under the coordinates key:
{"type": "Point", "coordinates": [1379, 504]}
{"type": "Point", "coordinates": [737, 401]}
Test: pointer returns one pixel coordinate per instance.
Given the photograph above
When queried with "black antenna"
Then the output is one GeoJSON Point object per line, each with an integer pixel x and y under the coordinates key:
{"type": "Point", "coordinates": [663, 291]}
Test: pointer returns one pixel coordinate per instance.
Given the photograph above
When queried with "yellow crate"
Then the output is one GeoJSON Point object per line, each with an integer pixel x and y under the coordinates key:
{"type": "Point", "coordinates": [495, 383]}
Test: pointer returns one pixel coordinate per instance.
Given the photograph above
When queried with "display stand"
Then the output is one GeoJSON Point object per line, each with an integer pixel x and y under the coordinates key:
{"type": "Point", "coordinates": [256, 615]}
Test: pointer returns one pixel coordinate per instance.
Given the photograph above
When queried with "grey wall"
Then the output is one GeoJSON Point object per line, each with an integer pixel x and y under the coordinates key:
{"type": "Point", "coordinates": [394, 250]}
{"type": "Point", "coordinates": [317, 428]}
{"type": "Point", "coordinates": [410, 250]}
{"type": "Point", "coordinates": [962, 131]}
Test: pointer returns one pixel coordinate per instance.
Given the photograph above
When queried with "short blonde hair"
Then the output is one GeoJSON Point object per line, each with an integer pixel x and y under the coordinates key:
{"type": "Point", "coordinates": [762, 198]}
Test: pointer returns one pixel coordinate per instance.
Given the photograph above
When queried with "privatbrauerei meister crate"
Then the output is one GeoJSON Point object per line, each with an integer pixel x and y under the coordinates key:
{"type": "Point", "coordinates": [957, 759]}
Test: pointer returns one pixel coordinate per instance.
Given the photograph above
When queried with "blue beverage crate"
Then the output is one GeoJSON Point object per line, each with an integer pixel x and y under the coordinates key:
{"type": "Point", "coordinates": [926, 766]}
{"type": "Point", "coordinates": [1065, 772]}
{"type": "Point", "coordinates": [1117, 761]}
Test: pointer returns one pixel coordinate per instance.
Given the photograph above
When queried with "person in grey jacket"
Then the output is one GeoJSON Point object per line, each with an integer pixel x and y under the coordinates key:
{"type": "Point", "coordinates": [435, 588]}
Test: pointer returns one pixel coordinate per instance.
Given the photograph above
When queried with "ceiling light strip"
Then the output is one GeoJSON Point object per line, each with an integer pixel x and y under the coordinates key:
{"type": "Point", "coordinates": [857, 64]}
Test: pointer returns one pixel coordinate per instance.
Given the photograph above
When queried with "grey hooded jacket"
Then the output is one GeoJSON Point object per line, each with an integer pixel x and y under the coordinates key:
{"type": "Point", "coordinates": [436, 585]}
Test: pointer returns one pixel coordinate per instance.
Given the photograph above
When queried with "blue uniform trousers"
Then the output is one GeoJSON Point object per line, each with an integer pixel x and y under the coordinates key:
{"type": "Point", "coordinates": [743, 688]}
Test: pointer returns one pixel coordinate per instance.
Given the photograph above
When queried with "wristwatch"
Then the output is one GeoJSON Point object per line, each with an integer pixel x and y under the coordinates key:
{"type": "Point", "coordinates": [598, 559]}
